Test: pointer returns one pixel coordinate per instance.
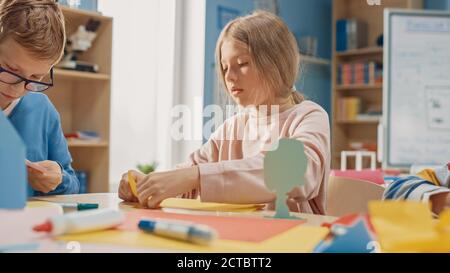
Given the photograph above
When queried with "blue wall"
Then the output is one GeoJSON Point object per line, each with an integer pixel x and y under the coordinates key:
{"type": "Point", "coordinates": [312, 18]}
{"type": "Point", "coordinates": [304, 18]}
{"type": "Point", "coordinates": [243, 7]}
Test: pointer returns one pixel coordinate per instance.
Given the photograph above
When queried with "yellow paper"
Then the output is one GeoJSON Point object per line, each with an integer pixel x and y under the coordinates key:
{"type": "Point", "coordinates": [42, 204]}
{"type": "Point", "coordinates": [196, 204]}
{"type": "Point", "coordinates": [132, 183]}
{"type": "Point", "coordinates": [407, 227]}
{"type": "Point", "coordinates": [298, 239]}
{"type": "Point", "coordinates": [444, 222]}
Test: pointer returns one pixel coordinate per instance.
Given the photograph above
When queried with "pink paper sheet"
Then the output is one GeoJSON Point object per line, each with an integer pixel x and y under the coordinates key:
{"type": "Point", "coordinates": [250, 229]}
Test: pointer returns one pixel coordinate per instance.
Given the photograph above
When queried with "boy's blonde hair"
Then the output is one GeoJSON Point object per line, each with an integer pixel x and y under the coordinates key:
{"type": "Point", "coordinates": [36, 25]}
{"type": "Point", "coordinates": [273, 49]}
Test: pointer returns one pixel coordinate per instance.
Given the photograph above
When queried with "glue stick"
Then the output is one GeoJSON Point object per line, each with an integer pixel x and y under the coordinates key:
{"type": "Point", "coordinates": [84, 221]}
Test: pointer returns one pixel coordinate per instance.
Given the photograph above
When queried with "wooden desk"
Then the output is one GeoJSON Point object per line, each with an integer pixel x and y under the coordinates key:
{"type": "Point", "coordinates": [111, 200]}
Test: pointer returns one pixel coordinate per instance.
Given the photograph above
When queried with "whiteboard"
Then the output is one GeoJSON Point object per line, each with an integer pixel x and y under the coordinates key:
{"type": "Point", "coordinates": [416, 88]}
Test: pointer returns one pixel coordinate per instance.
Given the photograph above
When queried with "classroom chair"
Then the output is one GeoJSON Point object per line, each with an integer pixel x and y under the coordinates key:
{"type": "Point", "coordinates": [349, 195]}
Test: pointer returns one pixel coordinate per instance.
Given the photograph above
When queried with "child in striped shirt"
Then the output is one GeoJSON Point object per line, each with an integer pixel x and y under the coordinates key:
{"type": "Point", "coordinates": [429, 185]}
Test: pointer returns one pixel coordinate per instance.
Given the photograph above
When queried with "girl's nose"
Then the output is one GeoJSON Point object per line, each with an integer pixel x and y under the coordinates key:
{"type": "Point", "coordinates": [231, 75]}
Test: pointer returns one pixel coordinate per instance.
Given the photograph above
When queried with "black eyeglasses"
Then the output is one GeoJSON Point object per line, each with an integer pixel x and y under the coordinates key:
{"type": "Point", "coordinates": [9, 77]}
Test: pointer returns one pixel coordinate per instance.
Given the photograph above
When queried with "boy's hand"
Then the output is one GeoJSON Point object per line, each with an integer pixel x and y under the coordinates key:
{"type": "Point", "coordinates": [124, 188]}
{"type": "Point", "coordinates": [440, 202]}
{"type": "Point", "coordinates": [48, 181]}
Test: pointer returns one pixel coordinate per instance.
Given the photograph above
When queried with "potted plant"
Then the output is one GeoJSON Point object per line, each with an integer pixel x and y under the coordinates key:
{"type": "Point", "coordinates": [147, 168]}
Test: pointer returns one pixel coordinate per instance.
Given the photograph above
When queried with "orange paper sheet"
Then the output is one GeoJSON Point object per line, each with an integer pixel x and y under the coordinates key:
{"type": "Point", "coordinates": [251, 229]}
{"type": "Point", "coordinates": [299, 239]}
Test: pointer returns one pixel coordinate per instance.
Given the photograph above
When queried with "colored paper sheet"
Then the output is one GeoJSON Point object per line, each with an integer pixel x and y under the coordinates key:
{"type": "Point", "coordinates": [35, 166]}
{"type": "Point", "coordinates": [196, 204]}
{"type": "Point", "coordinates": [444, 222]}
{"type": "Point", "coordinates": [298, 239]}
{"type": "Point", "coordinates": [350, 220]}
{"type": "Point", "coordinates": [13, 174]}
{"type": "Point", "coordinates": [43, 204]}
{"type": "Point", "coordinates": [407, 227]}
{"type": "Point", "coordinates": [284, 169]}
{"type": "Point", "coordinates": [355, 239]}
{"type": "Point", "coordinates": [132, 183]}
{"type": "Point", "coordinates": [249, 229]}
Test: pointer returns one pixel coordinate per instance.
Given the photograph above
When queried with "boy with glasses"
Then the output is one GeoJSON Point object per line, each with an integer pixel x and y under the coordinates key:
{"type": "Point", "coordinates": [32, 38]}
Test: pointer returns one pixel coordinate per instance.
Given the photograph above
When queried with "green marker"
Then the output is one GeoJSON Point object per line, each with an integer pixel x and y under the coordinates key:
{"type": "Point", "coordinates": [79, 206]}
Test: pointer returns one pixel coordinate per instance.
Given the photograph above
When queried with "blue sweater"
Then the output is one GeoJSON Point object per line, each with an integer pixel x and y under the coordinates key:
{"type": "Point", "coordinates": [38, 123]}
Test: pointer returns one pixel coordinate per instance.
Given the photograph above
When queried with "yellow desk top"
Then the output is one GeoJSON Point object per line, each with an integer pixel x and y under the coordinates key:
{"type": "Point", "coordinates": [282, 243]}
{"type": "Point", "coordinates": [111, 200]}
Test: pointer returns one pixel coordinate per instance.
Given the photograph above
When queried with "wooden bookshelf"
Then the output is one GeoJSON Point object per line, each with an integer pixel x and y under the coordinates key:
{"type": "Point", "coordinates": [80, 13]}
{"type": "Point", "coordinates": [377, 86]}
{"type": "Point", "coordinates": [346, 131]}
{"type": "Point", "coordinates": [357, 122]}
{"type": "Point", "coordinates": [83, 100]}
{"type": "Point", "coordinates": [361, 52]}
{"type": "Point", "coordinates": [69, 74]}
{"type": "Point", "coordinates": [87, 144]}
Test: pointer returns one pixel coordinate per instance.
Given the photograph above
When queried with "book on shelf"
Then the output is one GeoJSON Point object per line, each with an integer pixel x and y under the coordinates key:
{"type": "Point", "coordinates": [363, 146]}
{"type": "Point", "coordinates": [349, 108]}
{"type": "Point", "coordinates": [360, 73]}
{"type": "Point", "coordinates": [88, 136]}
{"type": "Point", "coordinates": [371, 113]}
{"type": "Point", "coordinates": [352, 109]}
{"type": "Point", "coordinates": [350, 34]}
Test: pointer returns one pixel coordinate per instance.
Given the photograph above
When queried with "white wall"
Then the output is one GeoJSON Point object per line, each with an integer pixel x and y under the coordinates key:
{"type": "Point", "coordinates": [192, 66]}
{"type": "Point", "coordinates": [158, 56]}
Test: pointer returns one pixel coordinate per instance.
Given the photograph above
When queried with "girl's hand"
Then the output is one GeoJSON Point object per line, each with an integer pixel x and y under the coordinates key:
{"type": "Point", "coordinates": [155, 187]}
{"type": "Point", "coordinates": [47, 181]}
{"type": "Point", "coordinates": [125, 192]}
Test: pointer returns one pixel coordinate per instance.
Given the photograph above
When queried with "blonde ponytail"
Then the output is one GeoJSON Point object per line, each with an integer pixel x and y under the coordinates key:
{"type": "Point", "coordinates": [297, 97]}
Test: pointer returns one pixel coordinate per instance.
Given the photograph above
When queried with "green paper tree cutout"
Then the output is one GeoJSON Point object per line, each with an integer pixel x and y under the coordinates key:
{"type": "Point", "coordinates": [284, 169]}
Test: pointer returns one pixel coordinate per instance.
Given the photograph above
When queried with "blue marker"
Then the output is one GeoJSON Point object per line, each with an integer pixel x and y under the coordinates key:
{"type": "Point", "coordinates": [185, 231]}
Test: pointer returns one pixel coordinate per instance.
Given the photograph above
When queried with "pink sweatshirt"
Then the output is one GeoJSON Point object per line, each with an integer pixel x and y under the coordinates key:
{"type": "Point", "coordinates": [231, 170]}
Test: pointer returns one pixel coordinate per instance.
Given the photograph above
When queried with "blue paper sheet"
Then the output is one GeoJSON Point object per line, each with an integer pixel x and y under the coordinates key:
{"type": "Point", "coordinates": [13, 175]}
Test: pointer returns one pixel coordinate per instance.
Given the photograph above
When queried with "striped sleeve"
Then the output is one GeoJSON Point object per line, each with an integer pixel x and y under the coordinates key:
{"type": "Point", "coordinates": [412, 188]}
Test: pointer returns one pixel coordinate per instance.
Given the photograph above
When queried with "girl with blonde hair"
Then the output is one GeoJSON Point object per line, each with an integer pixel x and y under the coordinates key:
{"type": "Point", "coordinates": [258, 63]}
